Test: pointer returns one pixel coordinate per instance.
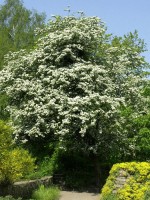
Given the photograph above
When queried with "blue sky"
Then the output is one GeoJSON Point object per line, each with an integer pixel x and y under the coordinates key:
{"type": "Point", "coordinates": [120, 16]}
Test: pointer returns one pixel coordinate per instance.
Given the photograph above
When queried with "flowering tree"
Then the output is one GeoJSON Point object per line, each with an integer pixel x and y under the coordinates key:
{"type": "Point", "coordinates": [73, 85]}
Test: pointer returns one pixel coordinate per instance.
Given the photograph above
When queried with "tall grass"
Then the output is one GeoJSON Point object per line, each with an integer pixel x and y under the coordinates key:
{"type": "Point", "coordinates": [51, 193]}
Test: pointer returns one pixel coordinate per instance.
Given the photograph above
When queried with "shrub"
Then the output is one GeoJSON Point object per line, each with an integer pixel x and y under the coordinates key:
{"type": "Point", "coordinates": [136, 186]}
{"type": "Point", "coordinates": [51, 193]}
{"type": "Point", "coordinates": [15, 162]}
{"type": "Point", "coordinates": [47, 166]}
{"type": "Point", "coordinates": [16, 165]}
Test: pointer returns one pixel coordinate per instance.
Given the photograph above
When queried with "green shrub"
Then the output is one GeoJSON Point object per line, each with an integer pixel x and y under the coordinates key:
{"type": "Point", "coordinates": [15, 162]}
{"type": "Point", "coordinates": [44, 168]}
{"type": "Point", "coordinates": [51, 193]}
{"type": "Point", "coordinates": [47, 166]}
{"type": "Point", "coordinates": [136, 186]}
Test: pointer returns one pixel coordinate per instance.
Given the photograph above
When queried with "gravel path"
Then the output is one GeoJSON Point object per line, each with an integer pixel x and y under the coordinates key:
{"type": "Point", "coordinates": [72, 195]}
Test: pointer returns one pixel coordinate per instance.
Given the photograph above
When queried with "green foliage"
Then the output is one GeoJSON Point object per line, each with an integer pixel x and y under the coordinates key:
{"type": "Point", "coordinates": [9, 198]}
{"type": "Point", "coordinates": [146, 90]}
{"type": "Point", "coordinates": [13, 160]}
{"type": "Point", "coordinates": [138, 129]}
{"type": "Point", "coordinates": [131, 40]}
{"type": "Point", "coordinates": [143, 143]}
{"type": "Point", "coordinates": [47, 166]}
{"type": "Point", "coordinates": [142, 127]}
{"type": "Point", "coordinates": [4, 114]}
{"type": "Point", "coordinates": [5, 137]}
{"type": "Point", "coordinates": [137, 182]}
{"type": "Point", "coordinates": [17, 25]}
{"type": "Point", "coordinates": [51, 193]}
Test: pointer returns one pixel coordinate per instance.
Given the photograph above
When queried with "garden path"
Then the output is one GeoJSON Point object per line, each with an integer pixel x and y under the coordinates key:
{"type": "Point", "coordinates": [73, 195]}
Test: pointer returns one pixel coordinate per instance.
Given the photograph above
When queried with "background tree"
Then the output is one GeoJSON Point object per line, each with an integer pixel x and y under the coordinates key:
{"type": "Point", "coordinates": [74, 87]}
{"type": "Point", "coordinates": [17, 25]}
{"type": "Point", "coordinates": [138, 129]}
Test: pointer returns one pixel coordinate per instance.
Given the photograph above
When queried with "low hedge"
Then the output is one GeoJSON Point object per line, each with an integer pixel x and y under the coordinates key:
{"type": "Point", "coordinates": [128, 181]}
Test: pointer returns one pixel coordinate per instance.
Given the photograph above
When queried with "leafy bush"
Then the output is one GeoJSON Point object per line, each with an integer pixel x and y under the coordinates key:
{"type": "Point", "coordinates": [15, 162]}
{"type": "Point", "coordinates": [16, 165]}
{"type": "Point", "coordinates": [135, 187]}
{"type": "Point", "coordinates": [51, 193]}
{"type": "Point", "coordinates": [47, 166]}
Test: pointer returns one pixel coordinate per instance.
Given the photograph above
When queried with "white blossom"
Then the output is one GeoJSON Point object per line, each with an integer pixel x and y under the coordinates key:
{"type": "Point", "coordinates": [60, 88]}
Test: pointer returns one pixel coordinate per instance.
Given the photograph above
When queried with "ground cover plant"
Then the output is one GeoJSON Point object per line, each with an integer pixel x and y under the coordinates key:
{"type": "Point", "coordinates": [136, 185]}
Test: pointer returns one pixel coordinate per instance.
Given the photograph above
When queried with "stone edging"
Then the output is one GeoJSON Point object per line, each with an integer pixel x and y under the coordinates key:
{"type": "Point", "coordinates": [25, 189]}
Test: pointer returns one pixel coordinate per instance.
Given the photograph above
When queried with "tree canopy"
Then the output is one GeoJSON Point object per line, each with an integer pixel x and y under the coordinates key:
{"type": "Point", "coordinates": [75, 86]}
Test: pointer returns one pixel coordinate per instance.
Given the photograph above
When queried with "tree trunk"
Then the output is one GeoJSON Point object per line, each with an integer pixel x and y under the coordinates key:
{"type": "Point", "coordinates": [98, 170]}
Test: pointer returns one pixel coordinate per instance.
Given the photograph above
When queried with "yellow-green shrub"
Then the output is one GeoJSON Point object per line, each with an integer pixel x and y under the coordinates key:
{"type": "Point", "coordinates": [137, 182]}
{"type": "Point", "coordinates": [15, 163]}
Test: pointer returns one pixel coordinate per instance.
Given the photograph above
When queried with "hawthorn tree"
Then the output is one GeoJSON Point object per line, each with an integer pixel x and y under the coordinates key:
{"type": "Point", "coordinates": [74, 87]}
